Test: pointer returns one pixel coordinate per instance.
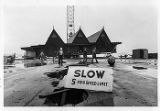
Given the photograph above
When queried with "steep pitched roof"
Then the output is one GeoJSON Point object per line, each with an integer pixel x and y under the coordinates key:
{"type": "Point", "coordinates": [78, 38]}
{"type": "Point", "coordinates": [103, 42]}
{"type": "Point", "coordinates": [70, 40]}
{"type": "Point", "coordinates": [94, 37]}
{"type": "Point", "coordinates": [53, 44]}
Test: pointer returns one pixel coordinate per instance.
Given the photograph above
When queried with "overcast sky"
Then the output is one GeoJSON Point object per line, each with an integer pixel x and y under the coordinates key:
{"type": "Point", "coordinates": [134, 23]}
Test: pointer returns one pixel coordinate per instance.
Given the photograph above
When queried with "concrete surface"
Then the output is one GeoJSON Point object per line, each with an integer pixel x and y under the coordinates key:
{"type": "Point", "coordinates": [132, 87]}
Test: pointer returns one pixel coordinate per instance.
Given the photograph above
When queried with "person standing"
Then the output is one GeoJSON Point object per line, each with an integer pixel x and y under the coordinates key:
{"type": "Point", "coordinates": [85, 55]}
{"type": "Point", "coordinates": [42, 57]}
{"type": "Point", "coordinates": [60, 57]}
{"type": "Point", "coordinates": [53, 59]}
{"type": "Point", "coordinates": [94, 55]}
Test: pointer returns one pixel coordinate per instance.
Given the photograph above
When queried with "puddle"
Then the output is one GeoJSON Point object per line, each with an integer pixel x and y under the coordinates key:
{"type": "Point", "coordinates": [57, 74]}
{"type": "Point", "coordinates": [23, 64]}
{"type": "Point", "coordinates": [9, 66]}
{"type": "Point", "coordinates": [52, 74]}
{"type": "Point", "coordinates": [55, 83]}
{"type": "Point", "coordinates": [139, 67]}
{"type": "Point", "coordinates": [77, 65]}
{"type": "Point", "coordinates": [33, 64]}
{"type": "Point", "coordinates": [73, 97]}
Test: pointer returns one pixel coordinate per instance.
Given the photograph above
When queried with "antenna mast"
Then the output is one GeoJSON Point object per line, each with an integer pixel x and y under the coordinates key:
{"type": "Point", "coordinates": [70, 21]}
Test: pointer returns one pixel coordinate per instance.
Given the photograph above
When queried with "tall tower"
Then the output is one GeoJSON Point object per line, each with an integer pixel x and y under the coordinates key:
{"type": "Point", "coordinates": [70, 21]}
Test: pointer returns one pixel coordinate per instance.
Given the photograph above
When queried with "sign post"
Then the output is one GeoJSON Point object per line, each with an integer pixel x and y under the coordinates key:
{"type": "Point", "coordinates": [98, 79]}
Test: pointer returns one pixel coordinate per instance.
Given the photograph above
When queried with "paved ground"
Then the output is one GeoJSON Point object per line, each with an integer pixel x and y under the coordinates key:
{"type": "Point", "coordinates": [132, 87]}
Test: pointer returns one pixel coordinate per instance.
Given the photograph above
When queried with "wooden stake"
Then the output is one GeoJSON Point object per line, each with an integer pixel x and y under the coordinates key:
{"type": "Point", "coordinates": [63, 99]}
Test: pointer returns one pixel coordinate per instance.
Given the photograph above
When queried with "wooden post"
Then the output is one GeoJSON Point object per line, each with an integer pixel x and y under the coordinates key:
{"type": "Point", "coordinates": [63, 99]}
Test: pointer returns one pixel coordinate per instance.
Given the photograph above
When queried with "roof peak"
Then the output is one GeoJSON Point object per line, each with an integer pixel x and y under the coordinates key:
{"type": "Point", "coordinates": [102, 28]}
{"type": "Point", "coordinates": [79, 28]}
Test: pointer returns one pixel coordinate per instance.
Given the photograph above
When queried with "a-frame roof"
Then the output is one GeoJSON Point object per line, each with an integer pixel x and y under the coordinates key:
{"type": "Point", "coordinates": [93, 38]}
{"type": "Point", "coordinates": [70, 40]}
{"type": "Point", "coordinates": [53, 44]}
{"type": "Point", "coordinates": [102, 41]}
{"type": "Point", "coordinates": [78, 38]}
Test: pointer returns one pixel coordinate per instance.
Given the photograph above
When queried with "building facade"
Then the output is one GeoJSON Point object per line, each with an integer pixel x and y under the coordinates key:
{"type": "Point", "coordinates": [140, 54]}
{"type": "Point", "coordinates": [75, 44]}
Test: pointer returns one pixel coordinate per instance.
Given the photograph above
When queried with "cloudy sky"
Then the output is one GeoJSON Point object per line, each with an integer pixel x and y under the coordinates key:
{"type": "Point", "coordinates": [26, 22]}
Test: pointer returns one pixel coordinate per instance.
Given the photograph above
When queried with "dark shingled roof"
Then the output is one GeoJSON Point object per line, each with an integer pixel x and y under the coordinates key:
{"type": "Point", "coordinates": [53, 44]}
{"type": "Point", "coordinates": [78, 38]}
{"type": "Point", "coordinates": [94, 37]}
{"type": "Point", "coordinates": [33, 47]}
{"type": "Point", "coordinates": [70, 40]}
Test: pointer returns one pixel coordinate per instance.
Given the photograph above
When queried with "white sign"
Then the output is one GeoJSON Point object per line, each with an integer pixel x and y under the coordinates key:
{"type": "Point", "coordinates": [99, 79]}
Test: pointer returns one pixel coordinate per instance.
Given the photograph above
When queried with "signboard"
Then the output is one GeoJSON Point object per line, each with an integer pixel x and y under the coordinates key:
{"type": "Point", "coordinates": [99, 79]}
